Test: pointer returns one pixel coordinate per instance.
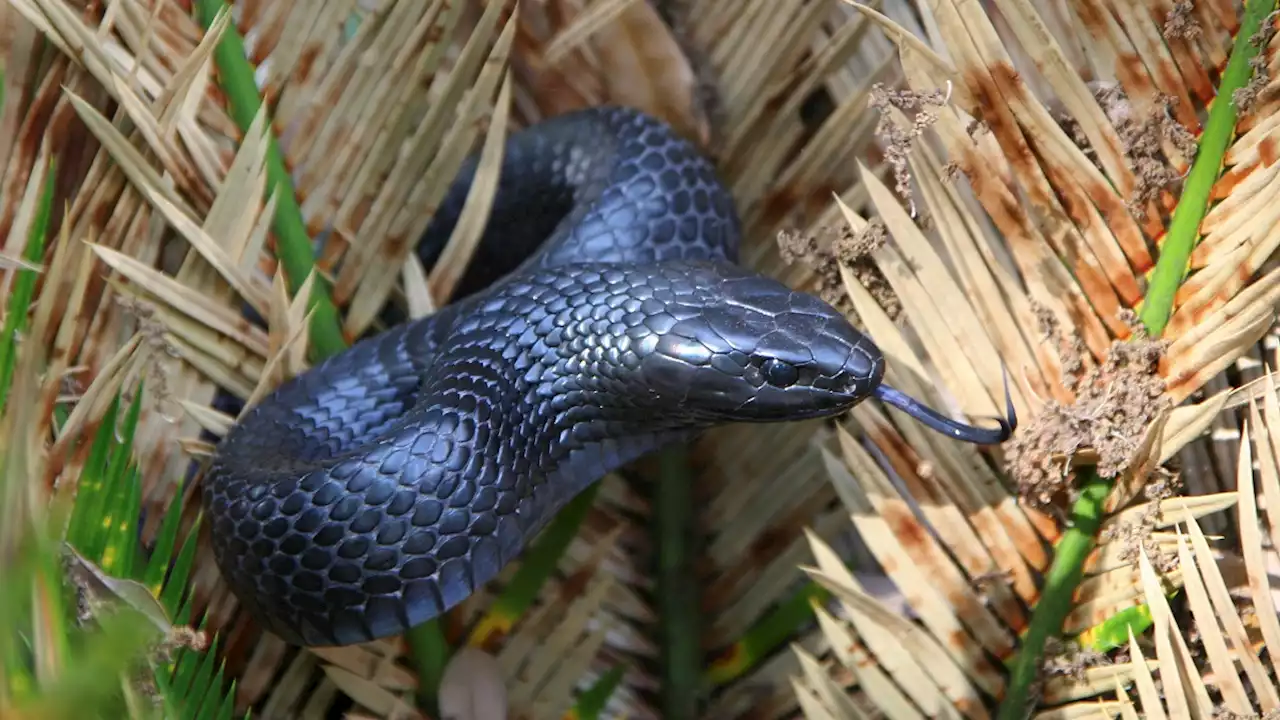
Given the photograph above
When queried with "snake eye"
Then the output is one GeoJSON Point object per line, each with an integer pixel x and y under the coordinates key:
{"type": "Point", "coordinates": [780, 374]}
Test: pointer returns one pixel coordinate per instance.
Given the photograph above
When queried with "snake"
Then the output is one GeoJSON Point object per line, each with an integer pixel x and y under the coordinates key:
{"type": "Point", "coordinates": [603, 316]}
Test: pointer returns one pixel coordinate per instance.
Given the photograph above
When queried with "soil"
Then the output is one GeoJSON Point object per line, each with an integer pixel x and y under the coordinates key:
{"type": "Point", "coordinates": [828, 248]}
{"type": "Point", "coordinates": [1142, 138]}
{"type": "Point", "coordinates": [1114, 403]}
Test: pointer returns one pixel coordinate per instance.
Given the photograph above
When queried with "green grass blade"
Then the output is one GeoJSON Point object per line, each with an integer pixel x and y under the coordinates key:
{"type": "Point", "coordinates": [1113, 632]}
{"type": "Point", "coordinates": [430, 651]}
{"type": "Point", "coordinates": [166, 541]}
{"type": "Point", "coordinates": [120, 548]}
{"type": "Point", "coordinates": [52, 608]}
{"type": "Point", "coordinates": [199, 687]}
{"type": "Point", "coordinates": [765, 636]}
{"type": "Point", "coordinates": [293, 243]}
{"type": "Point", "coordinates": [112, 517]}
{"type": "Point", "coordinates": [1171, 268]}
{"type": "Point", "coordinates": [91, 677]}
{"type": "Point", "coordinates": [22, 573]}
{"type": "Point", "coordinates": [676, 586]}
{"type": "Point", "coordinates": [86, 512]}
{"type": "Point", "coordinates": [165, 690]}
{"type": "Point", "coordinates": [228, 703]}
{"type": "Point", "coordinates": [24, 285]}
{"type": "Point", "coordinates": [191, 665]}
{"type": "Point", "coordinates": [210, 697]}
{"type": "Point", "coordinates": [175, 588]}
{"type": "Point", "coordinates": [592, 702]}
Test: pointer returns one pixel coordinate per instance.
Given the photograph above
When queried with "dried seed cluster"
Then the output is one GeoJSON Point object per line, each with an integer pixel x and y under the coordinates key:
{"type": "Point", "coordinates": [828, 248]}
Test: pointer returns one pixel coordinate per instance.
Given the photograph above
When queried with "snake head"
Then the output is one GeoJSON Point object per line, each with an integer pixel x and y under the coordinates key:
{"type": "Point", "coordinates": [752, 349]}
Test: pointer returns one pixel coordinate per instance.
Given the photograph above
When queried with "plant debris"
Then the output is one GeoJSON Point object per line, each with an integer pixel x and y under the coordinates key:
{"type": "Point", "coordinates": [1143, 138]}
{"type": "Point", "coordinates": [1066, 658]}
{"type": "Point", "coordinates": [1181, 22]}
{"type": "Point", "coordinates": [828, 248]}
{"type": "Point", "coordinates": [1253, 91]}
{"type": "Point", "coordinates": [155, 336]}
{"type": "Point", "coordinates": [897, 140]}
{"type": "Point", "coordinates": [1139, 535]}
{"type": "Point", "coordinates": [1114, 403]}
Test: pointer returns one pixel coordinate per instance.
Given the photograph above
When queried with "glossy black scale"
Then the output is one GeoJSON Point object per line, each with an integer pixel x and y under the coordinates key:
{"type": "Point", "coordinates": [602, 317]}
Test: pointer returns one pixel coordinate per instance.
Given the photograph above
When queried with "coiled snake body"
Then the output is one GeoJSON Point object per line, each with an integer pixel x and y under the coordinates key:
{"type": "Point", "coordinates": [386, 484]}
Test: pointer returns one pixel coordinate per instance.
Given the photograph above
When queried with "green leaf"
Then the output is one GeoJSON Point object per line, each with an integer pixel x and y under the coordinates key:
{"type": "Point", "coordinates": [593, 701]}
{"type": "Point", "coordinates": [190, 665]}
{"type": "Point", "coordinates": [200, 682]}
{"type": "Point", "coordinates": [209, 698]}
{"type": "Point", "coordinates": [1113, 632]}
{"type": "Point", "coordinates": [97, 582]}
{"type": "Point", "coordinates": [175, 589]}
{"type": "Point", "coordinates": [90, 679]}
{"type": "Point", "coordinates": [166, 541]}
{"type": "Point", "coordinates": [766, 635]}
{"type": "Point", "coordinates": [120, 546]}
{"type": "Point", "coordinates": [24, 285]}
{"type": "Point", "coordinates": [88, 501]}
{"type": "Point", "coordinates": [228, 703]}
{"type": "Point", "coordinates": [113, 517]}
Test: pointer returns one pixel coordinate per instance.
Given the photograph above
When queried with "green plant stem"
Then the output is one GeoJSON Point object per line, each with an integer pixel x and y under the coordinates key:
{"type": "Point", "coordinates": [774, 629]}
{"type": "Point", "coordinates": [678, 599]}
{"type": "Point", "coordinates": [293, 243]}
{"type": "Point", "coordinates": [430, 653]}
{"type": "Point", "coordinates": [1184, 228]}
{"type": "Point", "coordinates": [1059, 590]}
{"type": "Point", "coordinates": [1086, 516]}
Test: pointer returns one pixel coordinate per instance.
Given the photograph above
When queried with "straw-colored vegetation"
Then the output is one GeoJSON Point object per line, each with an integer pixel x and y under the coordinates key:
{"type": "Point", "coordinates": [977, 183]}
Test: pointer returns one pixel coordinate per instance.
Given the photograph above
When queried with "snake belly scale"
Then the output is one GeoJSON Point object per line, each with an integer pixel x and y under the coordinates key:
{"type": "Point", "coordinates": [603, 317]}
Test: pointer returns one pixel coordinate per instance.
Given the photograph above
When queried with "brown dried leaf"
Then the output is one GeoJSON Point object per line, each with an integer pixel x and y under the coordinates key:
{"type": "Point", "coordinates": [648, 70]}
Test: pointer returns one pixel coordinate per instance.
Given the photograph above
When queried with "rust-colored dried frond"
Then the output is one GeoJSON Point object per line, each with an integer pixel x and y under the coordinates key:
{"type": "Point", "coordinates": [1042, 190]}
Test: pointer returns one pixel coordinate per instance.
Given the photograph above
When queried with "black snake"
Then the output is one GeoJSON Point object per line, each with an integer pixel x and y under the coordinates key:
{"type": "Point", "coordinates": [386, 484]}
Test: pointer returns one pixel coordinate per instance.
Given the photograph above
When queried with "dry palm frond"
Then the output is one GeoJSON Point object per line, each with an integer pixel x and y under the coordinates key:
{"type": "Point", "coordinates": [940, 522]}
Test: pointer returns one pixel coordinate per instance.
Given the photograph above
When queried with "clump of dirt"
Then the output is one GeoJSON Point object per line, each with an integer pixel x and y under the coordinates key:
{"type": "Point", "coordinates": [1249, 95]}
{"type": "Point", "coordinates": [1181, 22]}
{"type": "Point", "coordinates": [898, 140]}
{"type": "Point", "coordinates": [1114, 403]}
{"type": "Point", "coordinates": [1142, 137]}
{"type": "Point", "coordinates": [1066, 658]}
{"type": "Point", "coordinates": [1137, 536]}
{"type": "Point", "coordinates": [827, 249]}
